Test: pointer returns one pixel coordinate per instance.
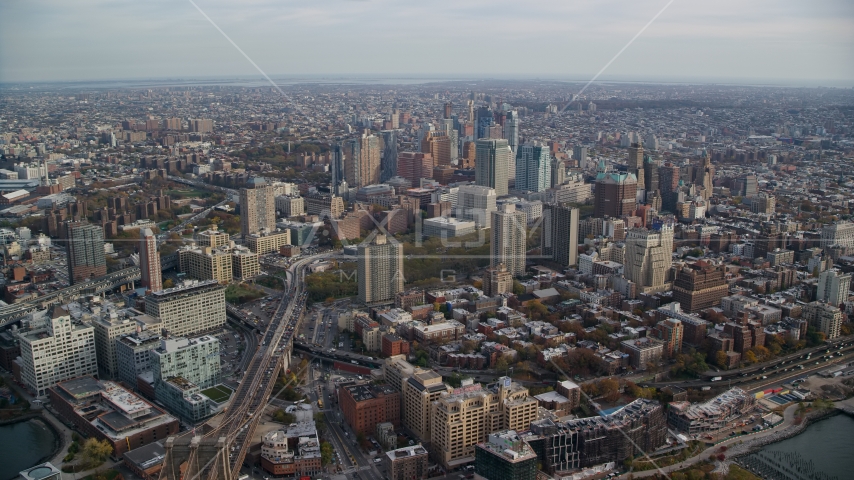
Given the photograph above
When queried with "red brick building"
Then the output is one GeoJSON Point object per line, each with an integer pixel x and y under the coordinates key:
{"type": "Point", "coordinates": [394, 345]}
{"type": "Point", "coordinates": [364, 406]}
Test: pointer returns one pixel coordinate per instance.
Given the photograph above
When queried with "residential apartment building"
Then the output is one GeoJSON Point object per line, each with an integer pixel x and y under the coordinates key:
{"type": "Point", "coordinates": [245, 263]}
{"type": "Point", "coordinates": [264, 243]}
{"type": "Point", "coordinates": [560, 234]}
{"type": "Point", "coordinates": [642, 352]}
{"type": "Point", "coordinates": [833, 287]}
{"type": "Point", "coordinates": [826, 318]}
{"type": "Point", "coordinates": [407, 463]}
{"type": "Point", "coordinates": [497, 280]}
{"type": "Point", "coordinates": [188, 309]}
{"type": "Point", "coordinates": [533, 168]}
{"type": "Point", "coordinates": [699, 286]}
{"type": "Point", "coordinates": [380, 270]}
{"type": "Point", "coordinates": [149, 261]}
{"type": "Point", "coordinates": [257, 207]}
{"type": "Point", "coordinates": [290, 206]}
{"type": "Point", "coordinates": [508, 245]}
{"type": "Point", "coordinates": [206, 263]}
{"type": "Point", "coordinates": [212, 238]}
{"type": "Point", "coordinates": [85, 252]}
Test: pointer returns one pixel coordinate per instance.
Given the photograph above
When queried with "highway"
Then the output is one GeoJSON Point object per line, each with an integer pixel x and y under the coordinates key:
{"type": "Point", "coordinates": [246, 407]}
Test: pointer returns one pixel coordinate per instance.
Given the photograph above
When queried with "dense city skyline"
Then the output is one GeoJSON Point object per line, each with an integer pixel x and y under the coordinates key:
{"type": "Point", "coordinates": [732, 42]}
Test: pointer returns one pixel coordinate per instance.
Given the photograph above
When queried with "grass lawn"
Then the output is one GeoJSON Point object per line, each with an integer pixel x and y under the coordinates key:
{"type": "Point", "coordinates": [241, 293]}
{"type": "Point", "coordinates": [218, 393]}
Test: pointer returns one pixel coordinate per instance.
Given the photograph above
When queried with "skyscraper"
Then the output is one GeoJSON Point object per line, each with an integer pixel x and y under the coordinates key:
{"type": "Point", "coordinates": [388, 166]}
{"type": "Point", "coordinates": [533, 168]}
{"type": "Point", "coordinates": [337, 168]}
{"type": "Point", "coordinates": [380, 270]}
{"type": "Point", "coordinates": [560, 234]}
{"type": "Point", "coordinates": [492, 164]}
{"type": "Point", "coordinates": [476, 203]}
{"type": "Point", "coordinates": [362, 160]}
{"type": "Point", "coordinates": [668, 181]}
{"type": "Point", "coordinates": [615, 194]}
{"type": "Point", "coordinates": [635, 164]}
{"type": "Point", "coordinates": [85, 251]}
{"type": "Point", "coordinates": [648, 256]}
{"type": "Point", "coordinates": [508, 239]}
{"type": "Point", "coordinates": [149, 261]}
{"type": "Point", "coordinates": [257, 207]}
{"type": "Point", "coordinates": [485, 119]}
{"type": "Point", "coordinates": [511, 130]}
{"type": "Point", "coordinates": [706, 176]}
{"type": "Point", "coordinates": [437, 144]}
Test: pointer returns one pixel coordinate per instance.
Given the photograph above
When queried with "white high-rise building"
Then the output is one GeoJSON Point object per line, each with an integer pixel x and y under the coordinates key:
{"type": "Point", "coordinates": [476, 203]}
{"type": "Point", "coordinates": [833, 287]}
{"type": "Point", "coordinates": [511, 133]}
{"type": "Point", "coordinates": [62, 350]}
{"type": "Point", "coordinates": [533, 168]}
{"type": "Point", "coordinates": [257, 207]}
{"type": "Point", "coordinates": [841, 233]}
{"type": "Point", "coordinates": [648, 257]}
{"type": "Point", "coordinates": [508, 239]}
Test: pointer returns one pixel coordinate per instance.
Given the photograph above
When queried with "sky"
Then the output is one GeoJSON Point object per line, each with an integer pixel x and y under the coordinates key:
{"type": "Point", "coordinates": [792, 42]}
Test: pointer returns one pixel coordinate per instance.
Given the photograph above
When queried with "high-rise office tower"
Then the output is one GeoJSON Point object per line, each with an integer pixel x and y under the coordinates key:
{"type": "Point", "coordinates": [257, 207]}
{"type": "Point", "coordinates": [492, 164]}
{"type": "Point", "coordinates": [336, 167]}
{"type": "Point", "coordinates": [352, 157]}
{"type": "Point", "coordinates": [450, 127]}
{"type": "Point", "coordinates": [648, 256]}
{"type": "Point", "coordinates": [85, 251]}
{"type": "Point", "coordinates": [389, 159]}
{"type": "Point", "coordinates": [668, 181]}
{"type": "Point", "coordinates": [635, 166]}
{"type": "Point", "coordinates": [470, 106]}
{"type": "Point", "coordinates": [380, 270]}
{"type": "Point", "coordinates": [449, 108]}
{"type": "Point", "coordinates": [511, 130]}
{"type": "Point", "coordinates": [419, 391]}
{"type": "Point", "coordinates": [579, 153]}
{"type": "Point", "coordinates": [437, 144]}
{"type": "Point", "coordinates": [485, 119]}
{"type": "Point", "coordinates": [508, 239]}
{"type": "Point", "coordinates": [558, 172]}
{"type": "Point", "coordinates": [615, 194]}
{"type": "Point", "coordinates": [560, 234]}
{"type": "Point", "coordinates": [705, 177]}
{"type": "Point", "coordinates": [149, 261]}
{"type": "Point", "coordinates": [497, 280]}
{"type": "Point", "coordinates": [650, 174]}
{"type": "Point", "coordinates": [833, 287]}
{"type": "Point", "coordinates": [533, 168]}
{"type": "Point", "coordinates": [189, 309]}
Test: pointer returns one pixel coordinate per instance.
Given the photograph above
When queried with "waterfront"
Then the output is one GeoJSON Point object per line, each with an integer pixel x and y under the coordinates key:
{"type": "Point", "coordinates": [25, 444]}
{"type": "Point", "coordinates": [823, 448]}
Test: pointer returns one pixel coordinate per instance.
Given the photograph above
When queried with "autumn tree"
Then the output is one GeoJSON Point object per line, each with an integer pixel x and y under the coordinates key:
{"type": "Point", "coordinates": [95, 451]}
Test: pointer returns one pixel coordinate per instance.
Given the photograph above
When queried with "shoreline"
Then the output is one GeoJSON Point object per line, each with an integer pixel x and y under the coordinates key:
{"type": "Point", "coordinates": [58, 442]}
{"type": "Point", "coordinates": [791, 431]}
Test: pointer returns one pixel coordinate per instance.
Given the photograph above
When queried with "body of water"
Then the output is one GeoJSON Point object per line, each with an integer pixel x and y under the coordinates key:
{"type": "Point", "coordinates": [823, 449]}
{"type": "Point", "coordinates": [24, 445]}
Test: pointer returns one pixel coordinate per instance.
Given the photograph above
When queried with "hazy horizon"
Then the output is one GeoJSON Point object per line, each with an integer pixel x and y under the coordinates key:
{"type": "Point", "coordinates": [761, 42]}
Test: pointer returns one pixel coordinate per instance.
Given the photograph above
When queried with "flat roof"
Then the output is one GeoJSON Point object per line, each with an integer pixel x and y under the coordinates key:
{"type": "Point", "coordinates": [81, 387]}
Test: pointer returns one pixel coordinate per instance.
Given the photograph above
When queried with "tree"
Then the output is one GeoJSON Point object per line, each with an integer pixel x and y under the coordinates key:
{"type": "Point", "coordinates": [721, 359]}
{"type": "Point", "coordinates": [326, 452]}
{"type": "Point", "coordinates": [609, 389]}
{"type": "Point", "coordinates": [95, 451]}
{"type": "Point", "coordinates": [501, 365]}
{"type": "Point", "coordinates": [750, 357]}
{"type": "Point", "coordinates": [168, 283]}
